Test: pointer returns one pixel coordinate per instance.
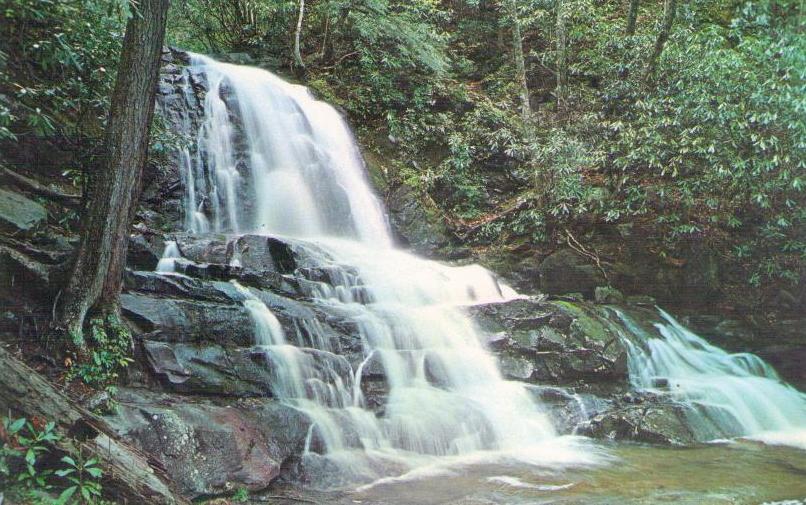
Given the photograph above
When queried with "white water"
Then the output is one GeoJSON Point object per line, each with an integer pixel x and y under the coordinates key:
{"type": "Point", "coordinates": [167, 264]}
{"type": "Point", "coordinates": [296, 171]}
{"type": "Point", "coordinates": [730, 395]}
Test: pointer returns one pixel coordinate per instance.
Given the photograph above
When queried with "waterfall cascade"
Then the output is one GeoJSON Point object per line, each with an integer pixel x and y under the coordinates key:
{"type": "Point", "coordinates": [270, 159]}
{"type": "Point", "coordinates": [729, 395]}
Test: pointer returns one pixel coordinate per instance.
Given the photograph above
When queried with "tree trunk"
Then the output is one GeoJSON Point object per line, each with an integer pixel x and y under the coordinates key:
{"type": "Point", "coordinates": [129, 477]}
{"type": "Point", "coordinates": [297, 35]}
{"type": "Point", "coordinates": [520, 64]}
{"type": "Point", "coordinates": [562, 57]}
{"type": "Point", "coordinates": [632, 17]}
{"type": "Point", "coordinates": [669, 8]}
{"type": "Point", "coordinates": [97, 273]}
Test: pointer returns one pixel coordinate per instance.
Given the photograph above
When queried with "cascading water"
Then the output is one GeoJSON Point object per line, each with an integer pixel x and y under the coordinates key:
{"type": "Point", "coordinates": [270, 159]}
{"type": "Point", "coordinates": [729, 395]}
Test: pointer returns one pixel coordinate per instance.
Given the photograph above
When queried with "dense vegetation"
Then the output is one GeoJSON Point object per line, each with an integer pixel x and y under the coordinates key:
{"type": "Point", "coordinates": [697, 139]}
{"type": "Point", "coordinates": [686, 121]}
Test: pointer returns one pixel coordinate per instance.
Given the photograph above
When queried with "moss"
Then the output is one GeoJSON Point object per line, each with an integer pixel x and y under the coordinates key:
{"type": "Point", "coordinates": [589, 324]}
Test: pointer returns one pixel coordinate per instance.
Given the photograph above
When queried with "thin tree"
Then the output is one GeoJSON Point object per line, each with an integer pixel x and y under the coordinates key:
{"type": "Point", "coordinates": [632, 17]}
{"type": "Point", "coordinates": [297, 35]}
{"type": "Point", "coordinates": [520, 63]}
{"type": "Point", "coordinates": [669, 8]}
{"type": "Point", "coordinates": [562, 56]}
{"type": "Point", "coordinates": [97, 273]}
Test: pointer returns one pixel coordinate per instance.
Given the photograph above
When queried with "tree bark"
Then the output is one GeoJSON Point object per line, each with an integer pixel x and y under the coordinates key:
{"type": "Point", "coordinates": [632, 17]}
{"type": "Point", "coordinates": [297, 35]}
{"type": "Point", "coordinates": [97, 273]}
{"type": "Point", "coordinates": [129, 477]}
{"type": "Point", "coordinates": [520, 63]}
{"type": "Point", "coordinates": [562, 57]}
{"type": "Point", "coordinates": [669, 11]}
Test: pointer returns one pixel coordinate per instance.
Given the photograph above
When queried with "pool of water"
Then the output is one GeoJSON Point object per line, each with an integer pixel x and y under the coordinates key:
{"type": "Point", "coordinates": [730, 473]}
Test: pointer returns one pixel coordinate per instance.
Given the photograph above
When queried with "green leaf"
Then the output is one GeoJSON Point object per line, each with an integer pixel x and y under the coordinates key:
{"type": "Point", "coordinates": [16, 426]}
{"type": "Point", "coordinates": [70, 461]}
{"type": "Point", "coordinates": [65, 496]}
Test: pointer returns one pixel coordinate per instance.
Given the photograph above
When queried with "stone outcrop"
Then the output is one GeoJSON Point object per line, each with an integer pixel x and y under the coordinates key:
{"type": "Point", "coordinates": [210, 448]}
{"type": "Point", "coordinates": [19, 213]}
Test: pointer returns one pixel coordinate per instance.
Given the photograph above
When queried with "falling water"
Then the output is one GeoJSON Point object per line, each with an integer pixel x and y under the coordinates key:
{"type": "Point", "coordinates": [167, 264]}
{"type": "Point", "coordinates": [729, 395]}
{"type": "Point", "coordinates": [274, 160]}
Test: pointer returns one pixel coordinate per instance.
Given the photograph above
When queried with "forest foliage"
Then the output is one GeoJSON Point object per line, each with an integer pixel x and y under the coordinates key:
{"type": "Point", "coordinates": [704, 143]}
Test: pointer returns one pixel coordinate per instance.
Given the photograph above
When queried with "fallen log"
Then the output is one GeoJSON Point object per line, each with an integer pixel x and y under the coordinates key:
{"type": "Point", "coordinates": [130, 477]}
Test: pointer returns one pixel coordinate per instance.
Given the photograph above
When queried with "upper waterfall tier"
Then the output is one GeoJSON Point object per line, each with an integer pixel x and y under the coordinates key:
{"type": "Point", "coordinates": [270, 158]}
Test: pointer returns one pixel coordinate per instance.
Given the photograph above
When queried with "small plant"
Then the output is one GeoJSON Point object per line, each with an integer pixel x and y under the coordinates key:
{"type": "Point", "coordinates": [110, 354]}
{"type": "Point", "coordinates": [26, 476]}
{"type": "Point", "coordinates": [241, 495]}
{"type": "Point", "coordinates": [83, 475]}
{"type": "Point", "coordinates": [23, 443]}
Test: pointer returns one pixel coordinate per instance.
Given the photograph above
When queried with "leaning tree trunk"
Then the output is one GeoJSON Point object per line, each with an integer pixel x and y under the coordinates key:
{"type": "Point", "coordinates": [520, 63]}
{"type": "Point", "coordinates": [297, 35]}
{"type": "Point", "coordinates": [632, 17]}
{"type": "Point", "coordinates": [130, 476]}
{"type": "Point", "coordinates": [669, 8]}
{"type": "Point", "coordinates": [562, 57]}
{"type": "Point", "coordinates": [97, 273]}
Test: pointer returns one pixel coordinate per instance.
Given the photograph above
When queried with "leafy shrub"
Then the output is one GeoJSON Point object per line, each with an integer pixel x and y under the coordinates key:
{"type": "Point", "coordinates": [28, 476]}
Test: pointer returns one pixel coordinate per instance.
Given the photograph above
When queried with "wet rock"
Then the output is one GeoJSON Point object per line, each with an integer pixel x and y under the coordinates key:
{"type": "Point", "coordinates": [208, 448]}
{"type": "Point", "coordinates": [565, 271]}
{"type": "Point", "coordinates": [557, 342]}
{"type": "Point", "coordinates": [608, 295]}
{"type": "Point", "coordinates": [651, 420]}
{"type": "Point", "coordinates": [414, 224]}
{"type": "Point", "coordinates": [189, 321]}
{"type": "Point", "coordinates": [569, 410]}
{"type": "Point", "coordinates": [144, 251]}
{"type": "Point", "coordinates": [210, 369]}
{"type": "Point", "coordinates": [19, 213]}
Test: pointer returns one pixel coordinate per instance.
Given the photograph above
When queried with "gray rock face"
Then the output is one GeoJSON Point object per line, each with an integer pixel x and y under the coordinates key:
{"type": "Point", "coordinates": [639, 418]}
{"type": "Point", "coordinates": [553, 342]}
{"type": "Point", "coordinates": [209, 448]}
{"type": "Point", "coordinates": [19, 213]}
{"type": "Point", "coordinates": [422, 232]}
{"type": "Point", "coordinates": [210, 369]}
{"type": "Point", "coordinates": [565, 271]}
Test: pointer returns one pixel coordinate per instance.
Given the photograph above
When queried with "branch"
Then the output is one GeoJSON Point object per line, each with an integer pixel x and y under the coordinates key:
{"type": "Point", "coordinates": [574, 244]}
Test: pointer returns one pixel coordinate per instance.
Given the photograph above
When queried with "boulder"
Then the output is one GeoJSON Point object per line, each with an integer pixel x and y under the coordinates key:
{"type": "Point", "coordinates": [209, 369]}
{"type": "Point", "coordinates": [556, 342]}
{"type": "Point", "coordinates": [648, 419]}
{"type": "Point", "coordinates": [414, 225]}
{"type": "Point", "coordinates": [19, 213]}
{"type": "Point", "coordinates": [144, 251]}
{"type": "Point", "coordinates": [188, 321]}
{"type": "Point", "coordinates": [207, 448]}
{"type": "Point", "coordinates": [565, 271]}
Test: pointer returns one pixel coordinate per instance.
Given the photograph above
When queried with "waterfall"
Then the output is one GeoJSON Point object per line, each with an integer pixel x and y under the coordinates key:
{"type": "Point", "coordinates": [167, 264]}
{"type": "Point", "coordinates": [273, 160]}
{"type": "Point", "coordinates": [728, 395]}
